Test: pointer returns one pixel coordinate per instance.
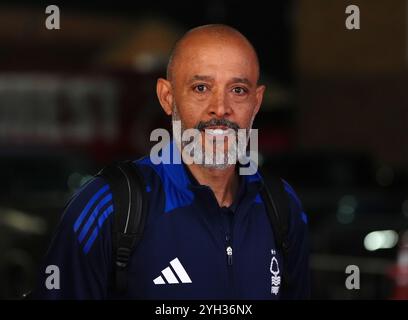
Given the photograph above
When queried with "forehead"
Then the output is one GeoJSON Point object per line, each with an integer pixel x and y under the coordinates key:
{"type": "Point", "coordinates": [218, 59]}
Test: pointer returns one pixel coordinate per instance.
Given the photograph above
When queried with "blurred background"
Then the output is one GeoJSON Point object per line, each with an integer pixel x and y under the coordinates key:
{"type": "Point", "coordinates": [333, 122]}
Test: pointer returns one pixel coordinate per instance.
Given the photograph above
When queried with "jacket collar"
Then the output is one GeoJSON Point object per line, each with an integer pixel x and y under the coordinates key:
{"type": "Point", "coordinates": [183, 180]}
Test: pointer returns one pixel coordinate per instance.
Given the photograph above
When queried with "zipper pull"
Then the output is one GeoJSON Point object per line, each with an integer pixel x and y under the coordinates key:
{"type": "Point", "coordinates": [229, 255]}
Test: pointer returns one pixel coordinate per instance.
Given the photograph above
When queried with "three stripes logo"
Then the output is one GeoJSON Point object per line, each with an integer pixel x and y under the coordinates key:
{"type": "Point", "coordinates": [93, 217]}
{"type": "Point", "coordinates": [170, 276]}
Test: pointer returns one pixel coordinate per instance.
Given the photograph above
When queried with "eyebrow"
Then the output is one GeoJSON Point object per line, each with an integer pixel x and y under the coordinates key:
{"type": "Point", "coordinates": [201, 78]}
{"type": "Point", "coordinates": [209, 78]}
{"type": "Point", "coordinates": [242, 80]}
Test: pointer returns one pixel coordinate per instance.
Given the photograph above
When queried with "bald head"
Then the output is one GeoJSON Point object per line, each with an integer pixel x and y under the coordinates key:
{"type": "Point", "coordinates": [209, 35]}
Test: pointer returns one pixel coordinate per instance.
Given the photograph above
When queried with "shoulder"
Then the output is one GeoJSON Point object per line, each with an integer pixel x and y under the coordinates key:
{"type": "Point", "coordinates": [87, 196]}
{"type": "Point", "coordinates": [149, 170]}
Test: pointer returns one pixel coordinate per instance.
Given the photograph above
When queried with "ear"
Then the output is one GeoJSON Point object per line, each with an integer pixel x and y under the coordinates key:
{"type": "Point", "coordinates": [259, 97]}
{"type": "Point", "coordinates": [165, 94]}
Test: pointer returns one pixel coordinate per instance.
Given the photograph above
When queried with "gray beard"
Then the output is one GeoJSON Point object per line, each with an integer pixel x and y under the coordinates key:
{"type": "Point", "coordinates": [233, 151]}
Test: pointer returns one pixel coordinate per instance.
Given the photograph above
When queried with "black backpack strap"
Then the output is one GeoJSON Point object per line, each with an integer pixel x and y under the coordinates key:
{"type": "Point", "coordinates": [129, 194]}
{"type": "Point", "coordinates": [278, 209]}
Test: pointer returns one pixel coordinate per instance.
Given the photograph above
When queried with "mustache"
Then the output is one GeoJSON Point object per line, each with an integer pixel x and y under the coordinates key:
{"type": "Point", "coordinates": [217, 122]}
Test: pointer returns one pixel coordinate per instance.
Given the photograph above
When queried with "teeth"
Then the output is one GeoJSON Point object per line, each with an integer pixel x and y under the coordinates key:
{"type": "Point", "coordinates": [216, 132]}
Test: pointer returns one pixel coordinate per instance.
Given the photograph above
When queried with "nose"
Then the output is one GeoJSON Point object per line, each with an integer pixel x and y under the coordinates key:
{"type": "Point", "coordinates": [219, 106]}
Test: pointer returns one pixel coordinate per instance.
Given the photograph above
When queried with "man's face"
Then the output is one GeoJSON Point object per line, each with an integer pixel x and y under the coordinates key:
{"type": "Point", "coordinates": [214, 86]}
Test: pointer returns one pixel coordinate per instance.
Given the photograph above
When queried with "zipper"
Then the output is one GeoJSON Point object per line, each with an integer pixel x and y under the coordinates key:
{"type": "Point", "coordinates": [229, 254]}
{"type": "Point", "coordinates": [228, 222]}
{"type": "Point", "coordinates": [228, 250]}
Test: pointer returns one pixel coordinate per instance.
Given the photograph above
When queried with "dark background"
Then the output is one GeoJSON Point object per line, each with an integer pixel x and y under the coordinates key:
{"type": "Point", "coordinates": [333, 122]}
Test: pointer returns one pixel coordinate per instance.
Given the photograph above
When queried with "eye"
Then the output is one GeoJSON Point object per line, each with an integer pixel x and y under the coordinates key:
{"type": "Point", "coordinates": [239, 90]}
{"type": "Point", "coordinates": [201, 88]}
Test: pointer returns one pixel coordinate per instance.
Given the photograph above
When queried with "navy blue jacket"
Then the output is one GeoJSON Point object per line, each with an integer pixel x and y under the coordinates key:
{"type": "Point", "coordinates": [191, 248]}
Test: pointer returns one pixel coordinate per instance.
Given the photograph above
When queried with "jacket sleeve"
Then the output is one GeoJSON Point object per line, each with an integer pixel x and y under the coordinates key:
{"type": "Point", "coordinates": [298, 260]}
{"type": "Point", "coordinates": [78, 262]}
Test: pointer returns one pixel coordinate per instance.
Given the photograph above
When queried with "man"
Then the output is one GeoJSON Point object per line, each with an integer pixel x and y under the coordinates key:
{"type": "Point", "coordinates": [207, 233]}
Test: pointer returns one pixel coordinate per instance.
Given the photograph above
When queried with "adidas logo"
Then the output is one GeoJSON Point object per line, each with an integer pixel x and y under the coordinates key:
{"type": "Point", "coordinates": [169, 275]}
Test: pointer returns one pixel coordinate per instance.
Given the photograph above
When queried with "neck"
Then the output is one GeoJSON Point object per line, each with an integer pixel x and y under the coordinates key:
{"type": "Point", "coordinates": [224, 183]}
